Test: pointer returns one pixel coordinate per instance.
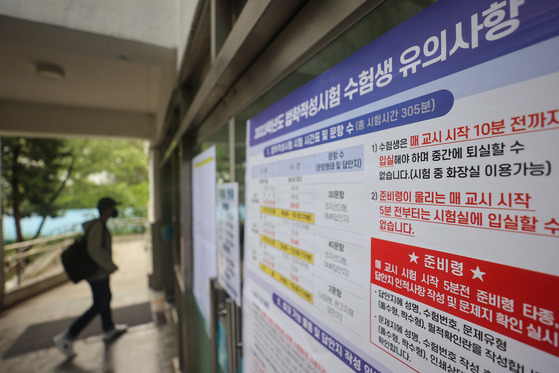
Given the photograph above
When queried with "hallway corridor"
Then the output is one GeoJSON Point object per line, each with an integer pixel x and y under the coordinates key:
{"type": "Point", "coordinates": [148, 346]}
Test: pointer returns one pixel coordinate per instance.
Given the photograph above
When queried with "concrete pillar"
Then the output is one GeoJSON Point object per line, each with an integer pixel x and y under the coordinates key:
{"type": "Point", "coordinates": [221, 24]}
{"type": "Point", "coordinates": [155, 278]}
{"type": "Point", "coordinates": [232, 149]}
{"type": "Point", "coordinates": [169, 230]}
{"type": "Point", "coordinates": [2, 275]}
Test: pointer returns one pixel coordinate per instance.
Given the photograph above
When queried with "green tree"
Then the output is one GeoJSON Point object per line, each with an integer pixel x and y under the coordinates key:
{"type": "Point", "coordinates": [44, 177]}
{"type": "Point", "coordinates": [116, 168]}
{"type": "Point", "coordinates": [34, 173]}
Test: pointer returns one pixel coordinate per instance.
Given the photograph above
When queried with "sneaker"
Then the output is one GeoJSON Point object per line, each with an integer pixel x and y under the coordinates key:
{"type": "Point", "coordinates": [114, 333]}
{"type": "Point", "coordinates": [64, 345]}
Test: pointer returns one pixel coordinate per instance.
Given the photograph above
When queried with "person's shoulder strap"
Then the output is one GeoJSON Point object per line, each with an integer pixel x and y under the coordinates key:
{"type": "Point", "coordinates": [103, 229]}
{"type": "Point", "coordinates": [89, 226]}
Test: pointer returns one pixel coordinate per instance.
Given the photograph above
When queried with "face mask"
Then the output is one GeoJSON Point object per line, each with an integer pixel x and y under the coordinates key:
{"type": "Point", "coordinates": [115, 213]}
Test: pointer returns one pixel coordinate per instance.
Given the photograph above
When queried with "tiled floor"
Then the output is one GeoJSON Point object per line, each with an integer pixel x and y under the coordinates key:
{"type": "Point", "coordinates": [148, 348]}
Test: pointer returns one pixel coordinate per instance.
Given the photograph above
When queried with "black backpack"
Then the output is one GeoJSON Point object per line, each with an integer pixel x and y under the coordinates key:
{"type": "Point", "coordinates": [76, 261]}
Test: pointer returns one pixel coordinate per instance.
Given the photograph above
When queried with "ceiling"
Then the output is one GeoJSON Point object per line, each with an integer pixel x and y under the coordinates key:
{"type": "Point", "coordinates": [111, 87]}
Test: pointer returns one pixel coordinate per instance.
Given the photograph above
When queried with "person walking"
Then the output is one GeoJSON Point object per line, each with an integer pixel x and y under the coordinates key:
{"type": "Point", "coordinates": [99, 248]}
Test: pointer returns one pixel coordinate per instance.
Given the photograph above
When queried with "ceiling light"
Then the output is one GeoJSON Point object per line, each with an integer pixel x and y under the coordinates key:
{"type": "Point", "coordinates": [49, 71]}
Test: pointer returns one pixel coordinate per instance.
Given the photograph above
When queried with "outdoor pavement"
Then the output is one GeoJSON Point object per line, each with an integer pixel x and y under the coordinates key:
{"type": "Point", "coordinates": [149, 347]}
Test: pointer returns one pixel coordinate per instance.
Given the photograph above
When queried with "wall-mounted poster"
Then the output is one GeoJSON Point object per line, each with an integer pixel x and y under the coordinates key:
{"type": "Point", "coordinates": [204, 228]}
{"type": "Point", "coordinates": [228, 245]}
{"type": "Point", "coordinates": [402, 208]}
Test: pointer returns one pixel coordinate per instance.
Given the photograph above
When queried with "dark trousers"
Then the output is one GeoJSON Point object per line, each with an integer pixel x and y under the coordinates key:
{"type": "Point", "coordinates": [101, 292]}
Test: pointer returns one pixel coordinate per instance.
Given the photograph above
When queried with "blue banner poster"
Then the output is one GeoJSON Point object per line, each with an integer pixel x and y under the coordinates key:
{"type": "Point", "coordinates": [401, 208]}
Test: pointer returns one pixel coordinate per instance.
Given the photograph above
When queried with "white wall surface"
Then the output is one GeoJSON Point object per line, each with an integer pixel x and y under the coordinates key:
{"type": "Point", "coordinates": [187, 8]}
{"type": "Point", "coordinates": [147, 21]}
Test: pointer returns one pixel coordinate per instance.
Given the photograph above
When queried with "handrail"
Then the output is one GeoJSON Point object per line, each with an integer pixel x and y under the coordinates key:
{"type": "Point", "coordinates": [43, 249]}
{"type": "Point", "coordinates": [40, 240]}
{"type": "Point", "coordinates": [36, 241]}
{"type": "Point", "coordinates": [23, 250]}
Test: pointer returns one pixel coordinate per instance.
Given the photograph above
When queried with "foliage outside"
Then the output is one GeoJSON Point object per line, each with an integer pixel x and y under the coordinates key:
{"type": "Point", "coordinates": [44, 177]}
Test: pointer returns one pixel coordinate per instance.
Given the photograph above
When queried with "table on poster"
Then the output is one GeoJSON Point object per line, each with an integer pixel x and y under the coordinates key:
{"type": "Point", "coordinates": [402, 211]}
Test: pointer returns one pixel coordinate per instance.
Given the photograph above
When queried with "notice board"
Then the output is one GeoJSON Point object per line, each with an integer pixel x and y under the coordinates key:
{"type": "Point", "coordinates": [402, 209]}
{"type": "Point", "coordinates": [204, 229]}
{"type": "Point", "coordinates": [228, 240]}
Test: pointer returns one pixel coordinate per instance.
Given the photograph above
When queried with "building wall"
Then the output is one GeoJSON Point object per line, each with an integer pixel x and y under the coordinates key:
{"type": "Point", "coordinates": [268, 43]}
{"type": "Point", "coordinates": [270, 52]}
{"type": "Point", "coordinates": [184, 19]}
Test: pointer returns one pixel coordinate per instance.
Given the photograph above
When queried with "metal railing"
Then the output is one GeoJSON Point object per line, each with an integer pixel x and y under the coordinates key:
{"type": "Point", "coordinates": [32, 258]}
{"type": "Point", "coordinates": [21, 255]}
